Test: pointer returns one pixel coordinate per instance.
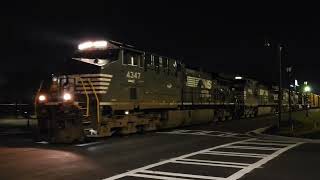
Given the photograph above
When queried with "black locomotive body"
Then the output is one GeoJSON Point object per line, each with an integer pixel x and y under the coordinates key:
{"type": "Point", "coordinates": [109, 87]}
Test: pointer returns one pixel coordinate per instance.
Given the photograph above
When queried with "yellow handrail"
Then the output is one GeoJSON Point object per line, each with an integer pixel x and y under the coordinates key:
{"type": "Point", "coordinates": [36, 99]}
{"type": "Point", "coordinates": [98, 102]}
{"type": "Point", "coordinates": [87, 96]}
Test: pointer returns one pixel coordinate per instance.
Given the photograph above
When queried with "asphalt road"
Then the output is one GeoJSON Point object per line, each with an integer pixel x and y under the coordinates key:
{"type": "Point", "coordinates": [212, 151]}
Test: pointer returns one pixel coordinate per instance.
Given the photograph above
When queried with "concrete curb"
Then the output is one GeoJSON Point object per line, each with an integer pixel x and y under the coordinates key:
{"type": "Point", "coordinates": [260, 132]}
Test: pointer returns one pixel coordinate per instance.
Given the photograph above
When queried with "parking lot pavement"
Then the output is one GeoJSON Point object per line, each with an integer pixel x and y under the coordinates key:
{"type": "Point", "coordinates": [198, 152]}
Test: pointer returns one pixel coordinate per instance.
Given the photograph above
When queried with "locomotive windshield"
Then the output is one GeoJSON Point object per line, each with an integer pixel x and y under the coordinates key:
{"type": "Point", "coordinates": [108, 54]}
{"type": "Point", "coordinates": [97, 57]}
{"type": "Point", "coordinates": [97, 52]}
{"type": "Point", "coordinates": [91, 57]}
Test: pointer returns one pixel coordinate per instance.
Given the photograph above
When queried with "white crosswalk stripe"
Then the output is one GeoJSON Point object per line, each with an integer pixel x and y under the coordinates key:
{"type": "Point", "coordinates": [180, 175]}
{"type": "Point", "coordinates": [275, 141]}
{"type": "Point", "coordinates": [207, 164]}
{"type": "Point", "coordinates": [265, 143]}
{"type": "Point", "coordinates": [216, 162]}
{"type": "Point", "coordinates": [206, 133]}
{"type": "Point", "coordinates": [223, 153]}
{"type": "Point", "coordinates": [147, 172]}
{"type": "Point", "coordinates": [254, 148]}
{"type": "Point", "coordinates": [156, 177]}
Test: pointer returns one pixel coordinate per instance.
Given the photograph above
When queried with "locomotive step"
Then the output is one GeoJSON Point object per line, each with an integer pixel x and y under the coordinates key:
{"type": "Point", "coordinates": [86, 122]}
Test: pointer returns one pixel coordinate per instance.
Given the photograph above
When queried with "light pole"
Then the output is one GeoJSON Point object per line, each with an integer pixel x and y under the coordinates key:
{"type": "Point", "coordinates": [289, 72]}
{"type": "Point", "coordinates": [280, 85]}
{"type": "Point", "coordinates": [279, 49]}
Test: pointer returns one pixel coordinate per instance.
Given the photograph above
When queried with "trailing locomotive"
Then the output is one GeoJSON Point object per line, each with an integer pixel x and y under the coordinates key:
{"type": "Point", "coordinates": [109, 87]}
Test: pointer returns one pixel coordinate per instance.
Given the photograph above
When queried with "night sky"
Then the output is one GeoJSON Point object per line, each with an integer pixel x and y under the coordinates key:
{"type": "Point", "coordinates": [36, 37]}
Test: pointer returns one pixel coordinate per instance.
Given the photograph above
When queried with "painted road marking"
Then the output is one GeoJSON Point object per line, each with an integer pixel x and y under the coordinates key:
{"type": "Point", "coordinates": [253, 147]}
{"type": "Point", "coordinates": [89, 144]}
{"type": "Point", "coordinates": [217, 162]}
{"type": "Point", "coordinates": [134, 172]}
{"type": "Point", "coordinates": [42, 142]}
{"type": "Point", "coordinates": [187, 159]}
{"type": "Point", "coordinates": [223, 153]}
{"type": "Point", "coordinates": [157, 177]}
{"type": "Point", "coordinates": [206, 133]}
{"type": "Point", "coordinates": [266, 143]}
{"type": "Point", "coordinates": [248, 169]}
{"type": "Point", "coordinates": [180, 175]}
{"type": "Point", "coordinates": [276, 141]}
{"type": "Point", "coordinates": [206, 164]}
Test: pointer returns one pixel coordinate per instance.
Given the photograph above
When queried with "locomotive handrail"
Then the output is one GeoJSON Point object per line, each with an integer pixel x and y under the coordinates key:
{"type": "Point", "coordinates": [36, 99]}
{"type": "Point", "coordinates": [98, 102]}
{"type": "Point", "coordinates": [87, 96]}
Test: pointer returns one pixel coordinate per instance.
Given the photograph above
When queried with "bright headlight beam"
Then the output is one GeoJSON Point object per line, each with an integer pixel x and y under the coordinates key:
{"type": "Point", "coordinates": [67, 96]}
{"type": "Point", "coordinates": [85, 45]}
{"type": "Point", "coordinates": [42, 98]}
{"type": "Point", "coordinates": [93, 44]}
{"type": "Point", "coordinates": [100, 44]}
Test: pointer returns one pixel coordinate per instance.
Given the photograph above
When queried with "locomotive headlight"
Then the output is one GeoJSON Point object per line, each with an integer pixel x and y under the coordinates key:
{"type": "Point", "coordinates": [42, 98]}
{"type": "Point", "coordinates": [67, 96]}
{"type": "Point", "coordinates": [85, 45]}
{"type": "Point", "coordinates": [100, 44]}
{"type": "Point", "coordinates": [93, 45]}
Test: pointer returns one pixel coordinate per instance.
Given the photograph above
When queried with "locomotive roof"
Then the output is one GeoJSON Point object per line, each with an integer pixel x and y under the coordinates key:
{"type": "Point", "coordinates": [190, 69]}
{"type": "Point", "coordinates": [133, 48]}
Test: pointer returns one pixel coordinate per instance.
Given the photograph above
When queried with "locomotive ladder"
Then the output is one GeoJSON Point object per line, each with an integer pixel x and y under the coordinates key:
{"type": "Point", "coordinates": [98, 102]}
{"type": "Point", "coordinates": [87, 98]}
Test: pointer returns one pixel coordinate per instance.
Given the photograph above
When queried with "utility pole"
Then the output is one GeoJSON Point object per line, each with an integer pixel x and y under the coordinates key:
{"type": "Point", "coordinates": [289, 71]}
{"type": "Point", "coordinates": [279, 51]}
{"type": "Point", "coordinates": [280, 85]}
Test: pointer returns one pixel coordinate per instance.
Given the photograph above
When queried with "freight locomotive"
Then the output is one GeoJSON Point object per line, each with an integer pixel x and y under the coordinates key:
{"type": "Point", "coordinates": [110, 87]}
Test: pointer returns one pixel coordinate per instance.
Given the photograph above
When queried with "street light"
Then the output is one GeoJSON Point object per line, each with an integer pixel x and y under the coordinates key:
{"type": "Point", "coordinates": [289, 72]}
{"type": "Point", "coordinates": [280, 47]}
{"type": "Point", "coordinates": [307, 90]}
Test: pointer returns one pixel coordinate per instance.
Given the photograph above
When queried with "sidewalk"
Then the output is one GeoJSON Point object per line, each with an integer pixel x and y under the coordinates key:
{"type": "Point", "coordinates": [260, 133]}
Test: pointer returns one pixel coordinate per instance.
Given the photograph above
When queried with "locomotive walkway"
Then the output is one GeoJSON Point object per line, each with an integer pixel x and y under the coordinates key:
{"type": "Point", "coordinates": [215, 151]}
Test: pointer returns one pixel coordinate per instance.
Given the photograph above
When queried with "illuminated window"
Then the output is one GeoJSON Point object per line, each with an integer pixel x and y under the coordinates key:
{"type": "Point", "coordinates": [160, 61]}
{"type": "Point", "coordinates": [152, 60]}
{"type": "Point", "coordinates": [132, 58]}
{"type": "Point", "coordinates": [165, 62]}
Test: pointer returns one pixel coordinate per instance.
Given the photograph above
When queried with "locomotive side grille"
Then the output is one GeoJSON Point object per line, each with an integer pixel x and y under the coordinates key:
{"type": "Point", "coordinates": [100, 82]}
{"type": "Point", "coordinates": [194, 82]}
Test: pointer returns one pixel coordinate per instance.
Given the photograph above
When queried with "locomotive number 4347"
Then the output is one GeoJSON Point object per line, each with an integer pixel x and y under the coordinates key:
{"type": "Point", "coordinates": [133, 75]}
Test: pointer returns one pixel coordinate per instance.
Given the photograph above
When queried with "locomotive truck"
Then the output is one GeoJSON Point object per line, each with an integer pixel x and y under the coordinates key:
{"type": "Point", "coordinates": [109, 87]}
